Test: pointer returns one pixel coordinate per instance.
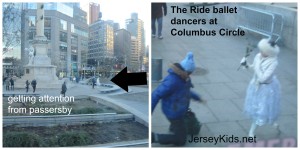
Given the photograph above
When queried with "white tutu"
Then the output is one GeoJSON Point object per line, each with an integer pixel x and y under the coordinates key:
{"type": "Point", "coordinates": [262, 101]}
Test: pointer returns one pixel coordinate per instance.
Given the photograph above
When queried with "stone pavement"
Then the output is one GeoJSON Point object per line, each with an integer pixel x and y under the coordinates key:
{"type": "Point", "coordinates": [218, 81]}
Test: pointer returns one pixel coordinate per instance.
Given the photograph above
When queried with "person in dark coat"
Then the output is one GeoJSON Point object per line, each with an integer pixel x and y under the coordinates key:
{"type": "Point", "coordinates": [33, 84]}
{"type": "Point", "coordinates": [94, 82]}
{"type": "Point", "coordinates": [157, 15]}
{"type": "Point", "coordinates": [64, 89]}
{"type": "Point", "coordinates": [12, 84]}
{"type": "Point", "coordinates": [27, 85]}
{"type": "Point", "coordinates": [7, 84]}
{"type": "Point", "coordinates": [175, 94]}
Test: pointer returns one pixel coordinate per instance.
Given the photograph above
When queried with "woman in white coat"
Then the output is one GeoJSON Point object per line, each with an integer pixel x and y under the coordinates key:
{"type": "Point", "coordinates": [263, 93]}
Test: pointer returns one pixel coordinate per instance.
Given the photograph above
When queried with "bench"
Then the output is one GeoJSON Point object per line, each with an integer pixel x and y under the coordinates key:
{"type": "Point", "coordinates": [17, 94]}
{"type": "Point", "coordinates": [262, 22]}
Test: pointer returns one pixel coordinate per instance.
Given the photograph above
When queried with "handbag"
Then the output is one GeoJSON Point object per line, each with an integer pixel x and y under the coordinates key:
{"type": "Point", "coordinates": [193, 126]}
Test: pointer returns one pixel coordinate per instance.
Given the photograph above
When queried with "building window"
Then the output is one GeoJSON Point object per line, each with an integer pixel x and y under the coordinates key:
{"type": "Point", "coordinates": [74, 49]}
{"type": "Point", "coordinates": [62, 57]}
{"type": "Point", "coordinates": [84, 43]}
{"type": "Point", "coordinates": [63, 47]}
{"type": "Point", "coordinates": [72, 28]}
{"type": "Point", "coordinates": [47, 22]}
{"type": "Point", "coordinates": [74, 58]}
{"type": "Point", "coordinates": [47, 33]}
{"type": "Point", "coordinates": [74, 40]}
{"type": "Point", "coordinates": [63, 37]}
{"type": "Point", "coordinates": [81, 31]}
{"type": "Point", "coordinates": [31, 21]}
{"type": "Point", "coordinates": [63, 24]}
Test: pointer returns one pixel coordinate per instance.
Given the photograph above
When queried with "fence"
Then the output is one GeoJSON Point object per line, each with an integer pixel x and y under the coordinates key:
{"type": "Point", "coordinates": [260, 21]}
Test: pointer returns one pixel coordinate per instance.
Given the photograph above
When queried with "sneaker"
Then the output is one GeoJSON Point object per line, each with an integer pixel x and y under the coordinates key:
{"type": "Point", "coordinates": [153, 35]}
{"type": "Point", "coordinates": [161, 37]}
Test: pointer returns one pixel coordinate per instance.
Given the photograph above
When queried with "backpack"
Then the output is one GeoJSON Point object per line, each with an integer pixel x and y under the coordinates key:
{"type": "Point", "coordinates": [33, 83]}
{"type": "Point", "coordinates": [192, 124]}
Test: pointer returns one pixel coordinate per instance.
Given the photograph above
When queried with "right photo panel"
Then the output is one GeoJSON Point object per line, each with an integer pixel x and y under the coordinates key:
{"type": "Point", "coordinates": [224, 74]}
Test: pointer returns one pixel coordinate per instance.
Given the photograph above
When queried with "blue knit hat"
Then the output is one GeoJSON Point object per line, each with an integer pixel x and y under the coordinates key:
{"type": "Point", "coordinates": [188, 62]}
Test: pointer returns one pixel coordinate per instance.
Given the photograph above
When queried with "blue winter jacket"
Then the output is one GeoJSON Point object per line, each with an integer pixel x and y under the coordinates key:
{"type": "Point", "coordinates": [175, 93]}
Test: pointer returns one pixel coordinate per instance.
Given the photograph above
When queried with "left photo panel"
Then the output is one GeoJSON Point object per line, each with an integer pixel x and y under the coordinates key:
{"type": "Point", "coordinates": [75, 74]}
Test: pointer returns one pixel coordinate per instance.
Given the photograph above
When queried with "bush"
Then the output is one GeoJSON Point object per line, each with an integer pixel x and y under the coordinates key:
{"type": "Point", "coordinates": [21, 139]}
{"type": "Point", "coordinates": [74, 139]}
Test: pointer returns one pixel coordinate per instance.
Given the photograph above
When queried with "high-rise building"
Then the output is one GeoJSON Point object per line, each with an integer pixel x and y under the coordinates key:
{"type": "Point", "coordinates": [101, 45]}
{"type": "Point", "coordinates": [122, 48]}
{"type": "Point", "coordinates": [135, 62]}
{"type": "Point", "coordinates": [94, 10]}
{"type": "Point", "coordinates": [67, 31]}
{"type": "Point", "coordinates": [136, 27]}
{"type": "Point", "coordinates": [116, 26]}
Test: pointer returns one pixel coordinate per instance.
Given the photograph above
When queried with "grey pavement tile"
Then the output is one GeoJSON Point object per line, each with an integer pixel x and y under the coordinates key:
{"type": "Point", "coordinates": [212, 64]}
{"type": "Point", "coordinates": [286, 108]}
{"type": "Point", "coordinates": [239, 88]}
{"type": "Point", "coordinates": [225, 110]}
{"type": "Point", "coordinates": [290, 98]}
{"type": "Point", "coordinates": [239, 76]}
{"type": "Point", "coordinates": [199, 79]}
{"type": "Point", "coordinates": [201, 91]}
{"type": "Point", "coordinates": [203, 113]}
{"type": "Point", "coordinates": [288, 125]}
{"type": "Point", "coordinates": [239, 103]}
{"type": "Point", "coordinates": [220, 91]}
{"type": "Point", "coordinates": [287, 88]}
{"type": "Point", "coordinates": [216, 76]}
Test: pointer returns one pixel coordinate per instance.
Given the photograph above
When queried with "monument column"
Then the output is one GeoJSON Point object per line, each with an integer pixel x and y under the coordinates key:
{"type": "Point", "coordinates": [40, 19]}
{"type": "Point", "coordinates": [40, 41]}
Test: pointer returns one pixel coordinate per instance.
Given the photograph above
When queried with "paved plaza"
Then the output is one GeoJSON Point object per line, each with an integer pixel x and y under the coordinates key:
{"type": "Point", "coordinates": [135, 101]}
{"type": "Point", "coordinates": [217, 80]}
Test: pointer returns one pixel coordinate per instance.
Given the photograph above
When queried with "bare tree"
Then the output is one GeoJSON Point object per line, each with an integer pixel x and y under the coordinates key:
{"type": "Point", "coordinates": [11, 21]}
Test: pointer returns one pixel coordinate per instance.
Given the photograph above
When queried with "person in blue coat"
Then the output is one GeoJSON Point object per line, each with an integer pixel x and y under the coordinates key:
{"type": "Point", "coordinates": [175, 94]}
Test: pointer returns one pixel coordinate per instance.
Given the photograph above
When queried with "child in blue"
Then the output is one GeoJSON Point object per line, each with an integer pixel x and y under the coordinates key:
{"type": "Point", "coordinates": [175, 94]}
{"type": "Point", "coordinates": [263, 93]}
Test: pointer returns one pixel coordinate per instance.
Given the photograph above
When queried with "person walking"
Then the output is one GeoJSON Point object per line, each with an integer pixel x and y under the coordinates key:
{"type": "Point", "coordinates": [94, 82]}
{"type": "Point", "coordinates": [7, 84]}
{"type": "Point", "coordinates": [262, 100]}
{"type": "Point", "coordinates": [175, 94]}
{"type": "Point", "coordinates": [27, 85]}
{"type": "Point", "coordinates": [64, 89]}
{"type": "Point", "coordinates": [12, 84]}
{"type": "Point", "coordinates": [157, 12]}
{"type": "Point", "coordinates": [33, 84]}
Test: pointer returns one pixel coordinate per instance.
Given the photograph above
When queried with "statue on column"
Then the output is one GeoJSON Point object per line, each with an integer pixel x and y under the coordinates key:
{"type": "Point", "coordinates": [30, 55]}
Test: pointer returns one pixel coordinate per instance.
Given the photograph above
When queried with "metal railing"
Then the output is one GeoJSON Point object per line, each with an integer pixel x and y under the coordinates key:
{"type": "Point", "coordinates": [260, 21]}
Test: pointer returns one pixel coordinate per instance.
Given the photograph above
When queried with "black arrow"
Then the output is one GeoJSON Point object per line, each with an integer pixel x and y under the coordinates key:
{"type": "Point", "coordinates": [124, 79]}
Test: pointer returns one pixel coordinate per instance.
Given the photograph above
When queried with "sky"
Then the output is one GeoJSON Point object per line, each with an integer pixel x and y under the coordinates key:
{"type": "Point", "coordinates": [119, 11]}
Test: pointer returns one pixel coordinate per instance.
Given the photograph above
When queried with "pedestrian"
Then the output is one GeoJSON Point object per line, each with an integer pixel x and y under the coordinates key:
{"type": "Point", "coordinates": [175, 94]}
{"type": "Point", "coordinates": [12, 84]}
{"type": "Point", "coordinates": [64, 89]}
{"type": "Point", "coordinates": [27, 85]}
{"type": "Point", "coordinates": [157, 15]}
{"type": "Point", "coordinates": [7, 84]}
{"type": "Point", "coordinates": [33, 84]}
{"type": "Point", "coordinates": [94, 82]}
{"type": "Point", "coordinates": [263, 93]}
